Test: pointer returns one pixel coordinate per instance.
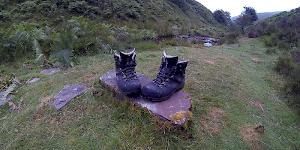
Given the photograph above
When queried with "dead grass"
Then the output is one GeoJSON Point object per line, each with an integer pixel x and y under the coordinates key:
{"type": "Point", "coordinates": [257, 104]}
{"type": "Point", "coordinates": [252, 136]}
{"type": "Point", "coordinates": [212, 123]}
{"type": "Point", "coordinates": [40, 109]}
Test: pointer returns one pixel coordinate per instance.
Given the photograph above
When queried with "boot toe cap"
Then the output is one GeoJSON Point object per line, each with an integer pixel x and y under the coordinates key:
{"type": "Point", "coordinates": [130, 87]}
{"type": "Point", "coordinates": [151, 91]}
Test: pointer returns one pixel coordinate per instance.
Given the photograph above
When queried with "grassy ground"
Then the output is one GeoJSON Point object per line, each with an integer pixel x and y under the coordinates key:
{"type": "Point", "coordinates": [233, 89]}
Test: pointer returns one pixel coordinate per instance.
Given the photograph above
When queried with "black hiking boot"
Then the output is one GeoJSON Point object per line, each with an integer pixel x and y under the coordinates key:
{"type": "Point", "coordinates": [169, 80]}
{"type": "Point", "coordinates": [127, 79]}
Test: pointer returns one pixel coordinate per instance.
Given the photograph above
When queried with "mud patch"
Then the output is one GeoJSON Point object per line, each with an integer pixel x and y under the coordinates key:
{"type": "Point", "coordinates": [212, 123]}
{"type": "Point", "coordinates": [257, 104]}
{"type": "Point", "coordinates": [252, 136]}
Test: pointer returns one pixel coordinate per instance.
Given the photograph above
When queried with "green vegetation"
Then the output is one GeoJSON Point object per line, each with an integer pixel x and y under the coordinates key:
{"type": "Point", "coordinates": [222, 16]}
{"type": "Point", "coordinates": [234, 87]}
{"type": "Point", "coordinates": [230, 81]}
{"type": "Point", "coordinates": [58, 31]}
{"type": "Point", "coordinates": [282, 32]}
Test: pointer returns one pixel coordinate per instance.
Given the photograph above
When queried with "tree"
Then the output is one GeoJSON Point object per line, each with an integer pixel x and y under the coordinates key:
{"type": "Point", "coordinates": [222, 16]}
{"type": "Point", "coordinates": [247, 18]}
{"type": "Point", "coordinates": [251, 12]}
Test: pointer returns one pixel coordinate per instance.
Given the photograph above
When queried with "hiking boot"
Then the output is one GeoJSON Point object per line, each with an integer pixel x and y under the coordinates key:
{"type": "Point", "coordinates": [126, 77]}
{"type": "Point", "coordinates": [169, 80]}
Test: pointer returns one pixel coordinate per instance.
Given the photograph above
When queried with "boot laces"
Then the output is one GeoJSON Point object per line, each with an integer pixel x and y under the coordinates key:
{"type": "Point", "coordinates": [163, 76]}
{"type": "Point", "coordinates": [129, 72]}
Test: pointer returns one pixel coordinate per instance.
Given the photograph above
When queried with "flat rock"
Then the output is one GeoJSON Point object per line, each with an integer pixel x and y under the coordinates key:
{"type": "Point", "coordinates": [4, 100]}
{"type": "Point", "coordinates": [68, 93]}
{"type": "Point", "coordinates": [50, 71]}
{"type": "Point", "coordinates": [5, 96]}
{"type": "Point", "coordinates": [176, 109]}
{"type": "Point", "coordinates": [33, 80]}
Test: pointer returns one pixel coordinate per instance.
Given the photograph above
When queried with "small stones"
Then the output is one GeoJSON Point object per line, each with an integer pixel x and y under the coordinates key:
{"type": "Point", "coordinates": [50, 71]}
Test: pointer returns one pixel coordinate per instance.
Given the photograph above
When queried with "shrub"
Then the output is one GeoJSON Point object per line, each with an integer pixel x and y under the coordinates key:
{"type": "Point", "coordinates": [252, 34]}
{"type": "Point", "coordinates": [270, 51]}
{"type": "Point", "coordinates": [4, 16]}
{"type": "Point", "coordinates": [284, 65]}
{"type": "Point", "coordinates": [293, 84]}
{"type": "Point", "coordinates": [65, 58]}
{"type": "Point", "coordinates": [79, 7]}
{"type": "Point", "coordinates": [47, 8]}
{"type": "Point", "coordinates": [28, 6]}
{"type": "Point", "coordinates": [231, 37]}
{"type": "Point", "coordinates": [283, 45]}
{"type": "Point", "coordinates": [270, 41]}
{"type": "Point", "coordinates": [292, 88]}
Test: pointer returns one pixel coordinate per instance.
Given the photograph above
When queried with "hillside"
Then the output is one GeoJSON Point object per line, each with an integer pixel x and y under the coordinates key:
{"type": "Point", "coordinates": [262, 15]}
{"type": "Point", "coordinates": [30, 28]}
{"type": "Point", "coordinates": [265, 15]}
{"type": "Point", "coordinates": [282, 28]}
{"type": "Point", "coordinates": [187, 14]}
{"type": "Point", "coordinates": [282, 32]}
{"type": "Point", "coordinates": [287, 15]}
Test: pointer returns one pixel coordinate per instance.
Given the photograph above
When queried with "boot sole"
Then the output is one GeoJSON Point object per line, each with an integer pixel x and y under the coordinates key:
{"type": "Point", "coordinates": [162, 98]}
{"type": "Point", "coordinates": [132, 94]}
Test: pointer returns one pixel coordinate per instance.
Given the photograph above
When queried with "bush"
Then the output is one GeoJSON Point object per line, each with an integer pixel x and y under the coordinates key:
{"type": "Point", "coordinates": [47, 9]}
{"type": "Point", "coordinates": [293, 84]}
{"type": "Point", "coordinates": [270, 41]}
{"type": "Point", "coordinates": [231, 37]}
{"type": "Point", "coordinates": [283, 45]}
{"type": "Point", "coordinates": [79, 7]}
{"type": "Point", "coordinates": [292, 88]}
{"type": "Point", "coordinates": [28, 6]}
{"type": "Point", "coordinates": [284, 65]}
{"type": "Point", "coordinates": [252, 34]}
{"type": "Point", "coordinates": [270, 51]}
{"type": "Point", "coordinates": [4, 16]}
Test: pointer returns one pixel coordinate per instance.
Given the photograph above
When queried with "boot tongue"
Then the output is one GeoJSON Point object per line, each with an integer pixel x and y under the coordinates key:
{"type": "Point", "coordinates": [127, 57]}
{"type": "Point", "coordinates": [171, 61]}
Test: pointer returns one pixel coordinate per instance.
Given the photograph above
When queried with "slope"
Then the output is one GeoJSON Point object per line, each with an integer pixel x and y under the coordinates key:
{"type": "Point", "coordinates": [186, 14]}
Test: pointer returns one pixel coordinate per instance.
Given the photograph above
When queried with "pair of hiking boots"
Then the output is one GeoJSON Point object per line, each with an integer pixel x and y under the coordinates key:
{"type": "Point", "coordinates": [170, 78]}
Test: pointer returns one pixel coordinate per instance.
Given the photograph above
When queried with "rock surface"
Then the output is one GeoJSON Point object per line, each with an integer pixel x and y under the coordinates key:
{"type": "Point", "coordinates": [68, 93]}
{"type": "Point", "coordinates": [176, 109]}
{"type": "Point", "coordinates": [50, 71]}
{"type": "Point", "coordinates": [5, 96]}
{"type": "Point", "coordinates": [33, 80]}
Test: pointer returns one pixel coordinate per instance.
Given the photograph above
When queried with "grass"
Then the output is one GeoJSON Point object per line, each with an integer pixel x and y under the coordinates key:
{"type": "Point", "coordinates": [224, 76]}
